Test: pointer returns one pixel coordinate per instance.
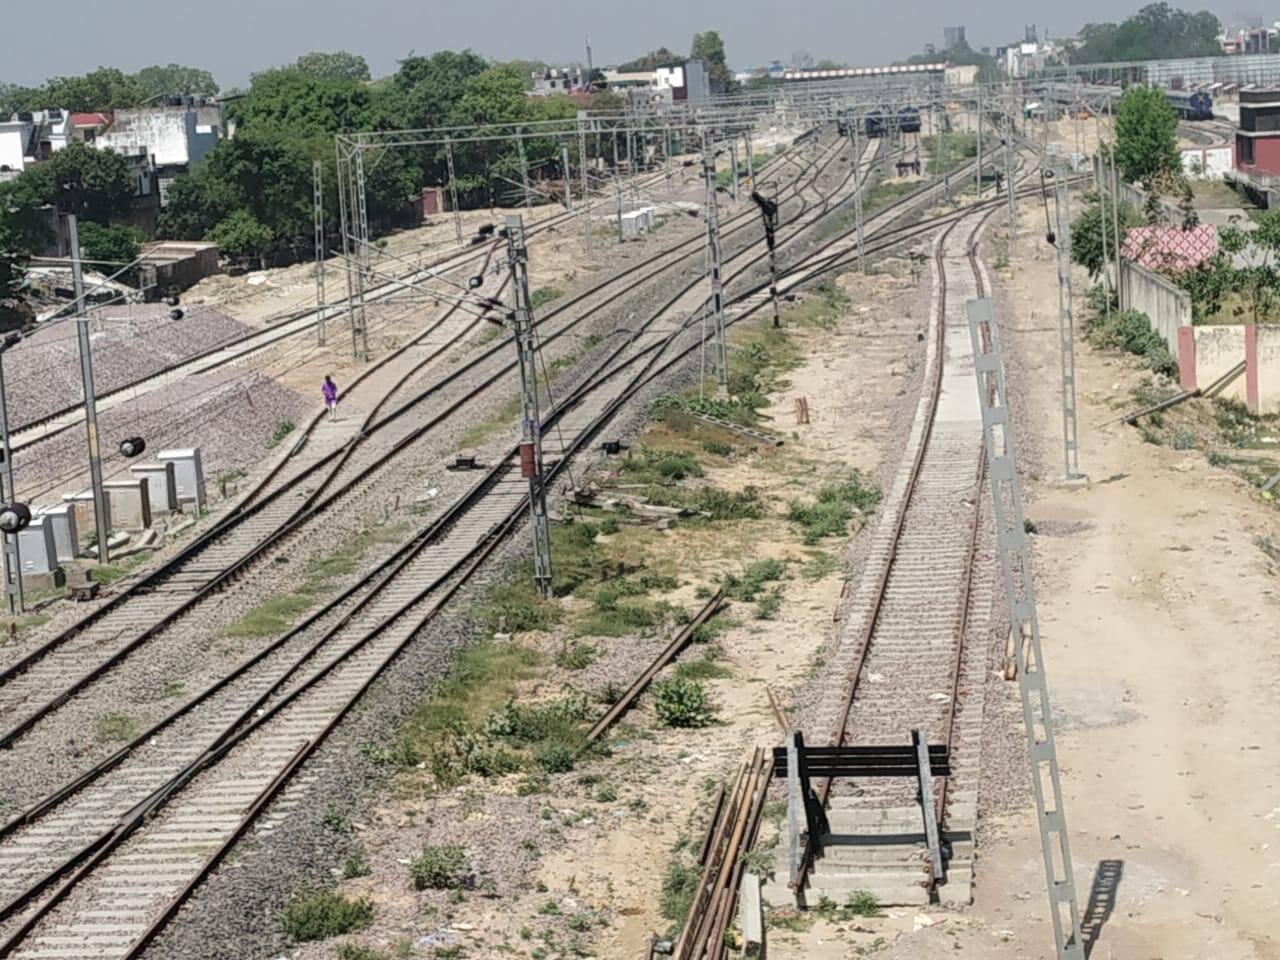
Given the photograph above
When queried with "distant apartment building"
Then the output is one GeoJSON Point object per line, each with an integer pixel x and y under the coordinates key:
{"type": "Point", "coordinates": [953, 37]}
{"type": "Point", "coordinates": [29, 137]}
{"type": "Point", "coordinates": [169, 138]}
{"type": "Point", "coordinates": [558, 80]}
{"type": "Point", "coordinates": [681, 83]}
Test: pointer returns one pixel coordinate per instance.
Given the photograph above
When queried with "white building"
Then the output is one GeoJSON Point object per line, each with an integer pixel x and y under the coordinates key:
{"type": "Point", "coordinates": [171, 139]}
{"type": "Point", "coordinates": [557, 80]}
{"type": "Point", "coordinates": [28, 138]}
{"type": "Point", "coordinates": [684, 83]}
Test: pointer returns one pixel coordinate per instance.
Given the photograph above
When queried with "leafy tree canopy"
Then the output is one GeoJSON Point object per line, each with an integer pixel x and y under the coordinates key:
{"type": "Point", "coordinates": [428, 88]}
{"type": "Point", "coordinates": [111, 246]}
{"type": "Point", "coordinates": [1156, 31]}
{"type": "Point", "coordinates": [291, 103]}
{"type": "Point", "coordinates": [240, 235]}
{"type": "Point", "coordinates": [1146, 134]}
{"type": "Point", "coordinates": [662, 57]}
{"type": "Point", "coordinates": [177, 80]}
{"type": "Point", "coordinates": [709, 48]}
{"type": "Point", "coordinates": [338, 65]}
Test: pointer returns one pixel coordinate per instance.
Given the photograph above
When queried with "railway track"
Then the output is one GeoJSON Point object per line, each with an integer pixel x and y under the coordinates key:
{"type": "Point", "coordinates": [301, 705]}
{"type": "Point", "coordinates": [903, 662]}
{"type": "Point", "coordinates": [241, 349]}
{"type": "Point", "coordinates": [279, 506]}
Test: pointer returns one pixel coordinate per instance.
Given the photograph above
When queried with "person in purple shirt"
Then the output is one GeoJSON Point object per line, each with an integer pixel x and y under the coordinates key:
{"type": "Point", "coordinates": [330, 391]}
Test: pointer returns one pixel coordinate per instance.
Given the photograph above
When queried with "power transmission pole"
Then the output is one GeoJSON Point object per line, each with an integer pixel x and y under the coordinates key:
{"type": "Point", "coordinates": [751, 168]}
{"type": "Point", "coordinates": [360, 333]}
{"type": "Point", "coordinates": [12, 555]}
{"type": "Point", "coordinates": [1066, 331]}
{"type": "Point", "coordinates": [1019, 584]}
{"type": "Point", "coordinates": [319, 244]}
{"type": "Point", "coordinates": [586, 187]}
{"type": "Point", "coordinates": [617, 183]}
{"type": "Point", "coordinates": [453, 189]}
{"type": "Point", "coordinates": [101, 517]}
{"type": "Point", "coordinates": [524, 169]}
{"type": "Point", "coordinates": [531, 424]}
{"type": "Point", "coordinates": [568, 179]}
{"type": "Point", "coordinates": [733, 166]}
{"type": "Point", "coordinates": [979, 128]}
{"type": "Point", "coordinates": [721, 354]}
{"type": "Point", "coordinates": [1008, 184]}
{"type": "Point", "coordinates": [855, 158]}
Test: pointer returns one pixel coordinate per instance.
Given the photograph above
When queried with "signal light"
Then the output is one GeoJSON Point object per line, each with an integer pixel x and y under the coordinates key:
{"type": "Point", "coordinates": [132, 447]}
{"type": "Point", "coordinates": [14, 517]}
{"type": "Point", "coordinates": [476, 281]}
{"type": "Point", "coordinates": [175, 314]}
{"type": "Point", "coordinates": [172, 301]}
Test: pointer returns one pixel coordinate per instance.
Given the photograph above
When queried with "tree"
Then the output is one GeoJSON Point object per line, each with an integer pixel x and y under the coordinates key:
{"type": "Point", "coordinates": [709, 48]}
{"type": "Point", "coordinates": [105, 183]}
{"type": "Point", "coordinates": [1146, 134]}
{"type": "Point", "coordinates": [291, 103]}
{"type": "Point", "coordinates": [1087, 230]}
{"type": "Point", "coordinates": [177, 80]}
{"type": "Point", "coordinates": [829, 65]}
{"type": "Point", "coordinates": [103, 89]}
{"type": "Point", "coordinates": [339, 65]}
{"type": "Point", "coordinates": [1155, 32]}
{"type": "Point", "coordinates": [113, 247]}
{"type": "Point", "coordinates": [662, 57]}
{"type": "Point", "coordinates": [240, 236]}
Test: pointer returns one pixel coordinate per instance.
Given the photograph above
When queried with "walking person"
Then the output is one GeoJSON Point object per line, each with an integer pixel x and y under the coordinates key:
{"type": "Point", "coordinates": [330, 391]}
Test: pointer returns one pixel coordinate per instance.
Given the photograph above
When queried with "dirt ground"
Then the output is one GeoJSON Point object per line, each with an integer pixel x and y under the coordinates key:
{"type": "Point", "coordinates": [1158, 613]}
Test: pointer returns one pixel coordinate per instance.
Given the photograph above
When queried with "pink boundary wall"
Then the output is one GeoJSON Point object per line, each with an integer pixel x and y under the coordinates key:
{"type": "Point", "coordinates": [1187, 358]}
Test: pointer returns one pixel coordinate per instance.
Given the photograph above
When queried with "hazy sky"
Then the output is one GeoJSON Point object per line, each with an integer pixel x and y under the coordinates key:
{"type": "Point", "coordinates": [234, 38]}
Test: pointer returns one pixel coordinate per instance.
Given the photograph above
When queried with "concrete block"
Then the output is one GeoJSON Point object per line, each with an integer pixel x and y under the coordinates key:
{"type": "Point", "coordinates": [84, 501]}
{"type": "Point", "coordinates": [130, 503]}
{"type": "Point", "coordinates": [66, 534]}
{"type": "Point", "coordinates": [188, 473]}
{"type": "Point", "coordinates": [36, 549]}
{"type": "Point", "coordinates": [162, 485]}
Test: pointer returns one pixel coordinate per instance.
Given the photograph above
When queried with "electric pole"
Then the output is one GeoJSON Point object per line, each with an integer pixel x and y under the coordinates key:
{"type": "Point", "coordinates": [855, 158]}
{"type": "Point", "coordinates": [1066, 331]}
{"type": "Point", "coordinates": [531, 423]}
{"type": "Point", "coordinates": [101, 518]}
{"type": "Point", "coordinates": [319, 244]}
{"type": "Point", "coordinates": [978, 126]}
{"type": "Point", "coordinates": [713, 265]}
{"type": "Point", "coordinates": [568, 180]}
{"type": "Point", "coordinates": [769, 212]}
{"type": "Point", "coordinates": [733, 166]}
{"type": "Point", "coordinates": [12, 555]}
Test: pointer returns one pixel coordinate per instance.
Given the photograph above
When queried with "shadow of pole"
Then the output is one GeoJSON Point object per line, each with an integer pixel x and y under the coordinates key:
{"type": "Point", "coordinates": [1102, 901]}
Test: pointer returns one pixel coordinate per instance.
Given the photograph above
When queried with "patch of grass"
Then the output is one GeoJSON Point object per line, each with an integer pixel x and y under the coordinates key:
{"type": "Point", "coordinates": [482, 679]}
{"type": "Point", "coordinates": [576, 656]}
{"type": "Point", "coordinates": [505, 416]}
{"type": "Point", "coordinates": [516, 607]}
{"type": "Point", "coordinates": [544, 295]}
{"type": "Point", "coordinates": [829, 514]}
{"type": "Point", "coordinates": [271, 617]}
{"type": "Point", "coordinates": [949, 151]}
{"type": "Point", "coordinates": [115, 728]}
{"type": "Point", "coordinates": [679, 885]}
{"type": "Point", "coordinates": [885, 193]}
{"type": "Point", "coordinates": [355, 866]}
{"type": "Point", "coordinates": [351, 951]}
{"type": "Point", "coordinates": [767, 607]}
{"type": "Point", "coordinates": [1131, 332]}
{"type": "Point", "coordinates": [344, 561]}
{"type": "Point", "coordinates": [282, 430]}
{"type": "Point", "coordinates": [107, 573]}
{"type": "Point", "coordinates": [627, 616]}
{"type": "Point", "coordinates": [647, 465]}
{"type": "Point", "coordinates": [750, 583]}
{"type": "Point", "coordinates": [820, 564]}
{"type": "Point", "coordinates": [703, 669]}
{"type": "Point", "coordinates": [316, 916]}
{"type": "Point", "coordinates": [681, 702]}
{"type": "Point", "coordinates": [790, 920]}
{"type": "Point", "coordinates": [717, 448]}
{"type": "Point", "coordinates": [441, 867]}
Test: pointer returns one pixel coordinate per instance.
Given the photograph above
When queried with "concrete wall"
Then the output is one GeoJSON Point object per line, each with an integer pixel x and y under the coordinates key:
{"type": "Point", "coordinates": [174, 136]}
{"type": "Point", "coordinates": [1207, 163]}
{"type": "Point", "coordinates": [1218, 349]}
{"type": "Point", "coordinates": [1212, 351]}
{"type": "Point", "coordinates": [1167, 307]}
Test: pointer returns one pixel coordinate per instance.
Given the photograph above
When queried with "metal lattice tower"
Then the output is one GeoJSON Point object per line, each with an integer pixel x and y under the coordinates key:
{"type": "Point", "coordinates": [1015, 563]}
{"type": "Point", "coordinates": [1066, 329]}
{"type": "Point", "coordinates": [453, 189]}
{"type": "Point", "coordinates": [12, 553]}
{"type": "Point", "coordinates": [720, 350]}
{"type": "Point", "coordinates": [531, 422]}
{"type": "Point", "coordinates": [360, 328]}
{"type": "Point", "coordinates": [855, 158]}
{"type": "Point", "coordinates": [318, 212]}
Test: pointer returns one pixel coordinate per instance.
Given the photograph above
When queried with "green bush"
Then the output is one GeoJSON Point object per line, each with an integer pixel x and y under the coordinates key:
{"type": "Point", "coordinates": [830, 513]}
{"type": "Point", "coordinates": [576, 656]}
{"type": "Point", "coordinates": [750, 583]}
{"type": "Point", "coordinates": [1131, 331]}
{"type": "Point", "coordinates": [355, 866]}
{"type": "Point", "coordinates": [315, 916]}
{"type": "Point", "coordinates": [441, 867]}
{"type": "Point", "coordinates": [555, 758]}
{"type": "Point", "coordinates": [350, 951]}
{"type": "Point", "coordinates": [678, 887]}
{"type": "Point", "coordinates": [744, 504]}
{"type": "Point", "coordinates": [681, 702]}
{"type": "Point", "coordinates": [717, 448]}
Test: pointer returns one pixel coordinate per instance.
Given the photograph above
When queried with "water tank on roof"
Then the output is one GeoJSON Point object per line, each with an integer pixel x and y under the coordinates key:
{"type": "Point", "coordinates": [55, 115]}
